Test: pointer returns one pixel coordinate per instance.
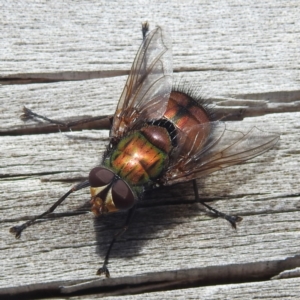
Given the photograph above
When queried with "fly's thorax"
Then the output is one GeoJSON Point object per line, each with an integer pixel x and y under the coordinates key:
{"type": "Point", "coordinates": [158, 136]}
{"type": "Point", "coordinates": [141, 156]}
{"type": "Point", "coordinates": [109, 192]}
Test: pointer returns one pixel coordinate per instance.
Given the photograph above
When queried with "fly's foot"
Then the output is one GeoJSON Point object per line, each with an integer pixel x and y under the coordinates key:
{"type": "Point", "coordinates": [233, 220]}
{"type": "Point", "coordinates": [103, 270]}
{"type": "Point", "coordinates": [17, 230]}
{"type": "Point", "coordinates": [26, 115]}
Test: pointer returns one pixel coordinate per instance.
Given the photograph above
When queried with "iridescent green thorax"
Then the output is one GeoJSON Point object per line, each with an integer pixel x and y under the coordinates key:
{"type": "Point", "coordinates": [136, 159]}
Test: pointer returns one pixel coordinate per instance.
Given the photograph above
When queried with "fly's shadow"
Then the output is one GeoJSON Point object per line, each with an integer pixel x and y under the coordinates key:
{"type": "Point", "coordinates": [164, 209]}
{"type": "Point", "coordinates": [161, 209]}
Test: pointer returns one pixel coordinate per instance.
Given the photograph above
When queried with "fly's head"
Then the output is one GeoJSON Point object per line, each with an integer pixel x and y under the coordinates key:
{"type": "Point", "coordinates": [109, 192]}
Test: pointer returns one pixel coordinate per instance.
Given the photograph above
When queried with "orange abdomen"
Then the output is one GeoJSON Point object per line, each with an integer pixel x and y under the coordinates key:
{"type": "Point", "coordinates": [185, 113]}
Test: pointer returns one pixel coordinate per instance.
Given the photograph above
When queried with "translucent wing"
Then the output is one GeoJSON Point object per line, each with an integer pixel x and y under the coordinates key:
{"type": "Point", "coordinates": [223, 148]}
{"type": "Point", "coordinates": [146, 92]}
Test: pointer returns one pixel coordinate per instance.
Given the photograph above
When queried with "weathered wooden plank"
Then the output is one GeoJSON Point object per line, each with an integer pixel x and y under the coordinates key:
{"type": "Point", "coordinates": [168, 237]}
{"type": "Point", "coordinates": [244, 56]}
{"type": "Point", "coordinates": [268, 290]}
{"type": "Point", "coordinates": [192, 281]}
{"type": "Point", "coordinates": [238, 47]}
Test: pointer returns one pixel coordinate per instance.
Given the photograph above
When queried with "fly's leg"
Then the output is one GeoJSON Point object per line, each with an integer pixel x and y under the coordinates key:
{"type": "Point", "coordinates": [29, 114]}
{"type": "Point", "coordinates": [231, 219]}
{"type": "Point", "coordinates": [145, 29]}
{"type": "Point", "coordinates": [17, 230]}
{"type": "Point", "coordinates": [104, 269]}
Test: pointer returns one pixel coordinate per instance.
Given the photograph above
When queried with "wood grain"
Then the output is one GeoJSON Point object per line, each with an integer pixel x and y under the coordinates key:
{"type": "Point", "coordinates": [69, 59]}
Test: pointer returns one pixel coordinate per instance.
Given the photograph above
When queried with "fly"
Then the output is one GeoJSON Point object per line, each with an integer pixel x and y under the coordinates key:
{"type": "Point", "coordinates": [160, 135]}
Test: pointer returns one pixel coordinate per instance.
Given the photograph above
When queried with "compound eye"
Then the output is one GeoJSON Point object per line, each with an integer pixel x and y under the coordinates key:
{"type": "Point", "coordinates": [100, 176]}
{"type": "Point", "coordinates": [122, 195]}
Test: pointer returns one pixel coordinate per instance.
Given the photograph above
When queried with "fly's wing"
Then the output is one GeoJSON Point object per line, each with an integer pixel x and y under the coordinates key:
{"type": "Point", "coordinates": [146, 92]}
{"type": "Point", "coordinates": [222, 149]}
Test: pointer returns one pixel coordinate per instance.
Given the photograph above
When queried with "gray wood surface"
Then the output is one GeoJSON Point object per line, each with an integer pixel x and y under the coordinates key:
{"type": "Point", "coordinates": [69, 59]}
